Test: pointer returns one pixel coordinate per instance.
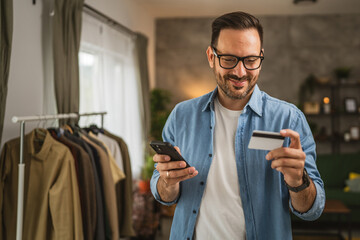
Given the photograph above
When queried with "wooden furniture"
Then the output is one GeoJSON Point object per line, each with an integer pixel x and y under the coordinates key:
{"type": "Point", "coordinates": [338, 208]}
{"type": "Point", "coordinates": [333, 208]}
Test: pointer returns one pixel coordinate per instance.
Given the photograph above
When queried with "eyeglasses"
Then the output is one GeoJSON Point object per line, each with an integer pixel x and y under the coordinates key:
{"type": "Point", "coordinates": [231, 61]}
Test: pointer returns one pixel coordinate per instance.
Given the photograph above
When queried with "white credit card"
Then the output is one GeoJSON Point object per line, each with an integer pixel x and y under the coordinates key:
{"type": "Point", "coordinates": [264, 140]}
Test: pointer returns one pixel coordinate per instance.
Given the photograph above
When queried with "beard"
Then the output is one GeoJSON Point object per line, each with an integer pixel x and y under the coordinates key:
{"type": "Point", "coordinates": [225, 85]}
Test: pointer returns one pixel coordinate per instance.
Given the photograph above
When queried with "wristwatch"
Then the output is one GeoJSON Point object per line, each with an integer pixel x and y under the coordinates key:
{"type": "Point", "coordinates": [306, 183]}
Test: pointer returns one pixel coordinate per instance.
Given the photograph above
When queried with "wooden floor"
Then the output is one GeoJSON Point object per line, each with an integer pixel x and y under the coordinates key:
{"type": "Point", "coordinates": [164, 233]}
{"type": "Point", "coordinates": [320, 238]}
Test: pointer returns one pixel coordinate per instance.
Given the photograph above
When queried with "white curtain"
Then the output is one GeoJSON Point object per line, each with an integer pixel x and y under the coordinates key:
{"type": "Point", "coordinates": [109, 81]}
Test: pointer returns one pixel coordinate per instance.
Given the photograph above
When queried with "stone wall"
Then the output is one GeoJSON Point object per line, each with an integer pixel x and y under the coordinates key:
{"type": "Point", "coordinates": [295, 46]}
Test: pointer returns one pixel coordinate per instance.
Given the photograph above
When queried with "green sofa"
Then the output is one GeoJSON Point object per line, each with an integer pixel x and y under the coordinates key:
{"type": "Point", "coordinates": [334, 170]}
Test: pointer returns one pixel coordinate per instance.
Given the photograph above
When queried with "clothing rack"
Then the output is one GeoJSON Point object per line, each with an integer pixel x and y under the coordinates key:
{"type": "Point", "coordinates": [21, 172]}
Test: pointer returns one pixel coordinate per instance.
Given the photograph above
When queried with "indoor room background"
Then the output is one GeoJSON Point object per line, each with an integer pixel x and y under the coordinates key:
{"type": "Point", "coordinates": [303, 46]}
{"type": "Point", "coordinates": [298, 41]}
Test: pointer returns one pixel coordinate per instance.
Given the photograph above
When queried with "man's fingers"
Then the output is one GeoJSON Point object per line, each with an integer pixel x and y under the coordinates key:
{"type": "Point", "coordinates": [292, 176]}
{"type": "Point", "coordinates": [164, 158]}
{"type": "Point", "coordinates": [171, 178]}
{"type": "Point", "coordinates": [178, 173]}
{"type": "Point", "coordinates": [161, 158]}
{"type": "Point", "coordinates": [163, 166]}
{"type": "Point", "coordinates": [294, 137]}
{"type": "Point", "coordinates": [287, 163]}
{"type": "Point", "coordinates": [286, 153]}
{"type": "Point", "coordinates": [177, 149]}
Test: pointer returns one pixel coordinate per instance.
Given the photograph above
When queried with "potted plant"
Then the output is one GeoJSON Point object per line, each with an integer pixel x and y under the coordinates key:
{"type": "Point", "coordinates": [146, 173]}
{"type": "Point", "coordinates": [342, 73]}
{"type": "Point", "coordinates": [306, 89]}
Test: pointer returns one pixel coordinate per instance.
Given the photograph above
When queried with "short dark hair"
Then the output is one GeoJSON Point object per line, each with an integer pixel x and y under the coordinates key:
{"type": "Point", "coordinates": [235, 20]}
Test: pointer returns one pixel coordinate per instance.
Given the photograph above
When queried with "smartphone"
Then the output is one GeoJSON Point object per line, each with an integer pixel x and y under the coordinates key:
{"type": "Point", "coordinates": [166, 148]}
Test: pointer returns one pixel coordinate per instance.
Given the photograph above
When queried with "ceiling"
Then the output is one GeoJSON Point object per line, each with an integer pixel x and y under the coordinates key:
{"type": "Point", "coordinates": [209, 8]}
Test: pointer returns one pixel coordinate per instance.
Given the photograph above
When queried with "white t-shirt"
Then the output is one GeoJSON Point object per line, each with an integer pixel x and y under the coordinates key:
{"type": "Point", "coordinates": [221, 213]}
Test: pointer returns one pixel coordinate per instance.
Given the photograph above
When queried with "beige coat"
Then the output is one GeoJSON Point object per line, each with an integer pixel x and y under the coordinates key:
{"type": "Point", "coordinates": [51, 196]}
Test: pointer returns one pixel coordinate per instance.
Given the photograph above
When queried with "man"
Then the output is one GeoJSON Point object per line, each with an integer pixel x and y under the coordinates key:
{"type": "Point", "coordinates": [231, 191]}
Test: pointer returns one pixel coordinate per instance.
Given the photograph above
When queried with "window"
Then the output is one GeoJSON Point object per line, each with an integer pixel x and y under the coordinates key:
{"type": "Point", "coordinates": [109, 82]}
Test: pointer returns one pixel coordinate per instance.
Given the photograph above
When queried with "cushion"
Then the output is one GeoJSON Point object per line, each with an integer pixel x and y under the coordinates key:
{"type": "Point", "coordinates": [352, 184]}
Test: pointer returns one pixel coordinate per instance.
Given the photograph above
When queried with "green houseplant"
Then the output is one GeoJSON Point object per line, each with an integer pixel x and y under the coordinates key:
{"type": "Point", "coordinates": [306, 89]}
{"type": "Point", "coordinates": [159, 99]}
{"type": "Point", "coordinates": [342, 73]}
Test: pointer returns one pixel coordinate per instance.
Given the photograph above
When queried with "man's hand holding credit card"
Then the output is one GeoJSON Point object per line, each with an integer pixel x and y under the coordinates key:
{"type": "Point", "coordinates": [265, 140]}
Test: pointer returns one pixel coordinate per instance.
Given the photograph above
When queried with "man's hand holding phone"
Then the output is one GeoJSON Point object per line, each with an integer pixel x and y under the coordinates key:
{"type": "Point", "coordinates": [172, 168]}
{"type": "Point", "coordinates": [171, 165]}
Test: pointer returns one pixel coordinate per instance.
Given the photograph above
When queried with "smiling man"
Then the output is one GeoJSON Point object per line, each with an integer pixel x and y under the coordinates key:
{"type": "Point", "coordinates": [231, 191]}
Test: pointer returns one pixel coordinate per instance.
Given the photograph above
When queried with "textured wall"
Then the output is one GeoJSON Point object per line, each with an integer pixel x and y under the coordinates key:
{"type": "Point", "coordinates": [294, 47]}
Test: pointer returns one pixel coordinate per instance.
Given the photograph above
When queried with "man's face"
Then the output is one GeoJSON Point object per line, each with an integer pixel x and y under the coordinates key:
{"type": "Point", "coordinates": [236, 83]}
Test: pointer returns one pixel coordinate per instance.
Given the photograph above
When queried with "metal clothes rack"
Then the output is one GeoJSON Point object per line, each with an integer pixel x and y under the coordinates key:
{"type": "Point", "coordinates": [21, 172]}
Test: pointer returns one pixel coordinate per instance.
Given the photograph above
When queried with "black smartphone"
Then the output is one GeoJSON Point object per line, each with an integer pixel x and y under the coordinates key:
{"type": "Point", "coordinates": [166, 148]}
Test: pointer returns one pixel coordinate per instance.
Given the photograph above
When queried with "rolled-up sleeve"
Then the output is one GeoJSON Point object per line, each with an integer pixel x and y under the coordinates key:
{"type": "Point", "coordinates": [317, 208]}
{"type": "Point", "coordinates": [153, 186]}
{"type": "Point", "coordinates": [308, 145]}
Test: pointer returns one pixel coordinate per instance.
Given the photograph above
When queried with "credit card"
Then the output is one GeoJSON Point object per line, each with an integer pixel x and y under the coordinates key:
{"type": "Point", "coordinates": [264, 140]}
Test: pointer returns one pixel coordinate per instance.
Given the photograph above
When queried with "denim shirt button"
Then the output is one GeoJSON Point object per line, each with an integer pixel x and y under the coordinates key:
{"type": "Point", "coordinates": [210, 127]}
{"type": "Point", "coordinates": [210, 155]}
{"type": "Point", "coordinates": [201, 183]}
{"type": "Point", "coordinates": [194, 211]}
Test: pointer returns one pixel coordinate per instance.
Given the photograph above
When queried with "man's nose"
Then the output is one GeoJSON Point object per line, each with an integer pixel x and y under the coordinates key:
{"type": "Point", "coordinates": [240, 69]}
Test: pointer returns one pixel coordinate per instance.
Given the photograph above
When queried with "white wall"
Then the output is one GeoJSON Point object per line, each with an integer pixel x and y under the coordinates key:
{"type": "Point", "coordinates": [25, 87]}
{"type": "Point", "coordinates": [26, 78]}
{"type": "Point", "coordinates": [134, 17]}
{"type": "Point", "coordinates": [213, 8]}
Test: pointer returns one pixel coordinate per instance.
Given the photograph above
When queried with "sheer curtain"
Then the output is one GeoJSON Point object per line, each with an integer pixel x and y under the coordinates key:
{"type": "Point", "coordinates": [109, 81]}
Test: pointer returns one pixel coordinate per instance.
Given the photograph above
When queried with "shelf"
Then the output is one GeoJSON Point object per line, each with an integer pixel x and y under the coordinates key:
{"type": "Point", "coordinates": [346, 85]}
{"type": "Point", "coordinates": [338, 120]}
{"type": "Point", "coordinates": [350, 114]}
{"type": "Point", "coordinates": [351, 141]}
{"type": "Point", "coordinates": [320, 115]}
{"type": "Point", "coordinates": [333, 114]}
{"type": "Point", "coordinates": [338, 140]}
{"type": "Point", "coordinates": [339, 85]}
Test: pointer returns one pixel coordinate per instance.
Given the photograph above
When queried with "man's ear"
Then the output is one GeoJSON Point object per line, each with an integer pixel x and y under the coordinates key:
{"type": "Point", "coordinates": [210, 56]}
{"type": "Point", "coordinates": [263, 54]}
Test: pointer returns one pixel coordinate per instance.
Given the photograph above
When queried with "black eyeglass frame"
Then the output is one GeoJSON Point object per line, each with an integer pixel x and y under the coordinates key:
{"type": "Point", "coordinates": [238, 59]}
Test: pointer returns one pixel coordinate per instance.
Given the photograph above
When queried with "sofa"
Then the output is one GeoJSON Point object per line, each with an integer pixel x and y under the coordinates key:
{"type": "Point", "coordinates": [334, 170]}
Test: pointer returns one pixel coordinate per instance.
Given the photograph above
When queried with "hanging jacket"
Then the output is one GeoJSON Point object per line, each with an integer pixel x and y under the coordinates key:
{"type": "Point", "coordinates": [51, 194]}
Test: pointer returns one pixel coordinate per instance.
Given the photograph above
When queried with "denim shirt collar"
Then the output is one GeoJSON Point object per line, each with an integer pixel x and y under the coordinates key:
{"type": "Point", "coordinates": [210, 102]}
{"type": "Point", "coordinates": [255, 103]}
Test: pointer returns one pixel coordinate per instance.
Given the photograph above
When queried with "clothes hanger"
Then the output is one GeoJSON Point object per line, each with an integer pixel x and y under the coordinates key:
{"type": "Point", "coordinates": [40, 133]}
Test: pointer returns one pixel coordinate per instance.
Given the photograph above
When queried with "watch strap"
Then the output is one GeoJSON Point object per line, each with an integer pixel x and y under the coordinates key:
{"type": "Point", "coordinates": [306, 183]}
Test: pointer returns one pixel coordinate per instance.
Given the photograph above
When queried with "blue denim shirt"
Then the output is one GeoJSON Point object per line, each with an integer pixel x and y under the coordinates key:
{"type": "Point", "coordinates": [264, 195]}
